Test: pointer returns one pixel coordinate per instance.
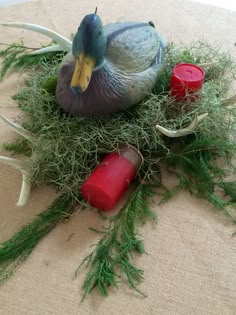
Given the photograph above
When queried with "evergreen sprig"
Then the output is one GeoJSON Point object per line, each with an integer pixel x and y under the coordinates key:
{"type": "Point", "coordinates": [195, 164]}
{"type": "Point", "coordinates": [15, 250]}
{"type": "Point", "coordinates": [229, 189]}
{"type": "Point", "coordinates": [16, 57]}
{"type": "Point", "coordinates": [113, 254]}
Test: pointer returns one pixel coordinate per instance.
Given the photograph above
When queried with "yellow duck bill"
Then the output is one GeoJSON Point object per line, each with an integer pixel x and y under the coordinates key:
{"type": "Point", "coordinates": [84, 66]}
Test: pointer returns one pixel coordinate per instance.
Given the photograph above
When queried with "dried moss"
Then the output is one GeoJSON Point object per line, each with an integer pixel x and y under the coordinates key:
{"type": "Point", "coordinates": [68, 148]}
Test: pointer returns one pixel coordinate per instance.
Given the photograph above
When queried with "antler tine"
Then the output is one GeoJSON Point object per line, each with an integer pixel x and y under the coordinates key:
{"type": "Point", "coordinates": [48, 49]}
{"type": "Point", "coordinates": [182, 132]}
{"type": "Point", "coordinates": [64, 44]}
{"type": "Point", "coordinates": [24, 167]}
{"type": "Point", "coordinates": [18, 129]}
{"type": "Point", "coordinates": [229, 101]}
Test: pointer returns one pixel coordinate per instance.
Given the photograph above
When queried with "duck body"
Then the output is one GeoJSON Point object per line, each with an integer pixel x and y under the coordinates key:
{"type": "Point", "coordinates": [132, 60]}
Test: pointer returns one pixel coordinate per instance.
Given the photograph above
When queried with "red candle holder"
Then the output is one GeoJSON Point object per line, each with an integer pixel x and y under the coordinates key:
{"type": "Point", "coordinates": [186, 80]}
{"type": "Point", "coordinates": [104, 187]}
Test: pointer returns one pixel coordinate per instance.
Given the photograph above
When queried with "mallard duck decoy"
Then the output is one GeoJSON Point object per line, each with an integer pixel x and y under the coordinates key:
{"type": "Point", "coordinates": [108, 68]}
{"type": "Point", "coordinates": [113, 67]}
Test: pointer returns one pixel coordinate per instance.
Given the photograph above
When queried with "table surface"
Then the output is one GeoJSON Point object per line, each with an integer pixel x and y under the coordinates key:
{"type": "Point", "coordinates": [191, 263]}
{"type": "Point", "coordinates": [226, 4]}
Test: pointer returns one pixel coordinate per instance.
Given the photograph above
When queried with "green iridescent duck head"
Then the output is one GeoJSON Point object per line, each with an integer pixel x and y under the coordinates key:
{"type": "Point", "coordinates": [88, 48]}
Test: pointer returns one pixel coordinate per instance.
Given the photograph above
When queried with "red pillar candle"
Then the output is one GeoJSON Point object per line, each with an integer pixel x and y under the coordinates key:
{"type": "Point", "coordinates": [111, 177]}
{"type": "Point", "coordinates": [186, 79]}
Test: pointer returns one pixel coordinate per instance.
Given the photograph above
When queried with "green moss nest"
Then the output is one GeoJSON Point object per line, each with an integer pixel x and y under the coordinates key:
{"type": "Point", "coordinates": [67, 148]}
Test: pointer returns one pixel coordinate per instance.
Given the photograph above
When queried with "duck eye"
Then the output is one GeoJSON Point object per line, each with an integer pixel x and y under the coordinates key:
{"type": "Point", "coordinates": [151, 24]}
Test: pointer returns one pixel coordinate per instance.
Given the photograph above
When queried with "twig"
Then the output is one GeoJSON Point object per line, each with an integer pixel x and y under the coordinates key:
{"type": "Point", "coordinates": [22, 46]}
{"type": "Point", "coordinates": [70, 236]}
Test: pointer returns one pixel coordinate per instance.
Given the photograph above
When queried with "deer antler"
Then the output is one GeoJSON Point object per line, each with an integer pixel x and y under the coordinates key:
{"type": "Point", "coordinates": [23, 166]}
{"type": "Point", "coordinates": [63, 44]}
{"type": "Point", "coordinates": [229, 101]}
{"type": "Point", "coordinates": [182, 132]}
{"type": "Point", "coordinates": [18, 129]}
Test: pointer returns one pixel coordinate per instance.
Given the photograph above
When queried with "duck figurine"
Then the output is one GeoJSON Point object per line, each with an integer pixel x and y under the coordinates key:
{"type": "Point", "coordinates": [108, 68]}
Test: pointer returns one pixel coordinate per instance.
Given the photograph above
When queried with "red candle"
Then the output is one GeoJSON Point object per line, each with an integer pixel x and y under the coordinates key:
{"type": "Point", "coordinates": [186, 79]}
{"type": "Point", "coordinates": [111, 177]}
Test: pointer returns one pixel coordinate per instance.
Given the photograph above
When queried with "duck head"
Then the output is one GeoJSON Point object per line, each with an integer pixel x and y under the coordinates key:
{"type": "Point", "coordinates": [88, 48]}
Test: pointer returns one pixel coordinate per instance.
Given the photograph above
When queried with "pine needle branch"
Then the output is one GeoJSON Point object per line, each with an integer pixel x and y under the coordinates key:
{"type": "Point", "coordinates": [15, 250]}
{"type": "Point", "coordinates": [16, 57]}
{"type": "Point", "coordinates": [195, 165]}
{"type": "Point", "coordinates": [229, 189]}
{"type": "Point", "coordinates": [112, 256]}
